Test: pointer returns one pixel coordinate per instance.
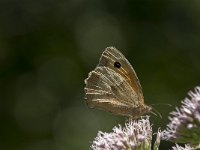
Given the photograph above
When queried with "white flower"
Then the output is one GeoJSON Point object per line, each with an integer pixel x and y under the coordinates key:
{"type": "Point", "coordinates": [157, 141]}
{"type": "Point", "coordinates": [136, 135]}
{"type": "Point", "coordinates": [177, 147]}
{"type": "Point", "coordinates": [184, 126]}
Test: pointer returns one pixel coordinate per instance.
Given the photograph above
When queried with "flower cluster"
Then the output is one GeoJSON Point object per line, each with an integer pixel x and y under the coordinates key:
{"type": "Point", "coordinates": [177, 147]}
{"type": "Point", "coordinates": [184, 126]}
{"type": "Point", "coordinates": [136, 135]}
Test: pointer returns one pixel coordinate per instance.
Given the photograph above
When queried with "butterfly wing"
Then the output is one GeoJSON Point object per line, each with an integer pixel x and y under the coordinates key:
{"type": "Point", "coordinates": [109, 57]}
{"type": "Point", "coordinates": [108, 91]}
{"type": "Point", "coordinates": [114, 86]}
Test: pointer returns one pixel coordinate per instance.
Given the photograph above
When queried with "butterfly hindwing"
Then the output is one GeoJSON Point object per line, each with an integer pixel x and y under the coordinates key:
{"type": "Point", "coordinates": [113, 86]}
{"type": "Point", "coordinates": [105, 88]}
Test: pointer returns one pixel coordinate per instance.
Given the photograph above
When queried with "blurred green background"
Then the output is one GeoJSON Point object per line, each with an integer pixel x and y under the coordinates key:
{"type": "Point", "coordinates": [48, 47]}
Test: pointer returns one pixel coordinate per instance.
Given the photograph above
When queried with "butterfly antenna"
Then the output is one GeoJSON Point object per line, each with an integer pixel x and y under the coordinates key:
{"type": "Point", "coordinates": [156, 113]}
{"type": "Point", "coordinates": [153, 113]}
{"type": "Point", "coordinates": [162, 104]}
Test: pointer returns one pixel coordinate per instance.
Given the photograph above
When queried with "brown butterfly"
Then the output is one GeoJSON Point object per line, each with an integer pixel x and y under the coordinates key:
{"type": "Point", "coordinates": [113, 86]}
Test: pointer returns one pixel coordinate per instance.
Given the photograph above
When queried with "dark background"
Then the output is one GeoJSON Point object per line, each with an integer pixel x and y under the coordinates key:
{"type": "Point", "coordinates": [48, 47]}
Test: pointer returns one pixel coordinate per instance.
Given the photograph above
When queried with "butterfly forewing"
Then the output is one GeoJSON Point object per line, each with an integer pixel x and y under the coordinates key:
{"type": "Point", "coordinates": [111, 56]}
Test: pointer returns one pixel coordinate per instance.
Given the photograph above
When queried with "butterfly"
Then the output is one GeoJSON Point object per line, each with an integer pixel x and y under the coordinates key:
{"type": "Point", "coordinates": [113, 86]}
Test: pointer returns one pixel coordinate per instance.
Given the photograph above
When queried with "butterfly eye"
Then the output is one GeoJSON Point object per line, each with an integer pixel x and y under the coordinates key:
{"type": "Point", "coordinates": [117, 64]}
